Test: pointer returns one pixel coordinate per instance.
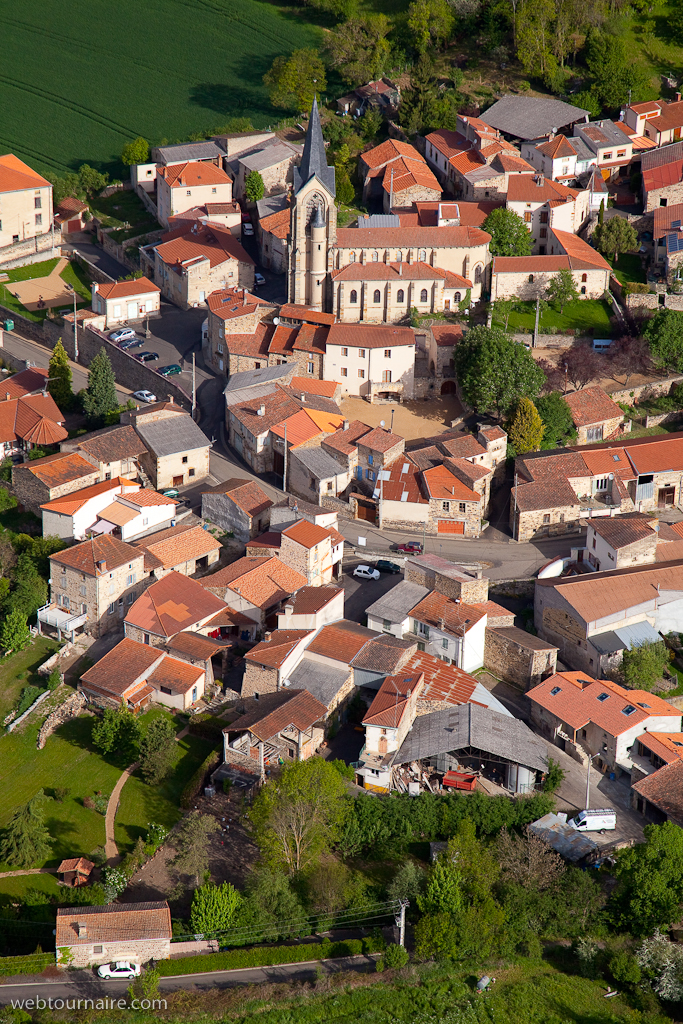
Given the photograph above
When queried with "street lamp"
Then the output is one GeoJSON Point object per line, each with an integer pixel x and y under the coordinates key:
{"type": "Point", "coordinates": [70, 288]}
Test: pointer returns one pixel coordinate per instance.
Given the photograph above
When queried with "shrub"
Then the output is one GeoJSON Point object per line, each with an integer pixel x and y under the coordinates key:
{"type": "Point", "coordinates": [29, 695]}
{"type": "Point", "coordinates": [54, 679]}
{"type": "Point", "coordinates": [393, 958]}
{"type": "Point", "coordinates": [263, 956]}
{"type": "Point", "coordinates": [61, 793]}
{"type": "Point", "coordinates": [194, 786]}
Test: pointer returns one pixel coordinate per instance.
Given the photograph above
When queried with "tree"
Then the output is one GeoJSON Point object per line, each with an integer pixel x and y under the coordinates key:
{"type": "Point", "coordinates": [554, 376]}
{"type": "Point", "coordinates": [629, 355]}
{"type": "Point", "coordinates": [299, 816]}
{"type": "Point", "coordinates": [100, 396]}
{"type": "Point", "coordinates": [419, 102]}
{"type": "Point", "coordinates": [615, 236]}
{"type": "Point", "coordinates": [644, 665]}
{"type": "Point", "coordinates": [407, 883]}
{"type": "Point", "coordinates": [192, 844]}
{"type": "Point", "coordinates": [91, 181]}
{"type": "Point", "coordinates": [213, 908]}
{"type": "Point", "coordinates": [157, 750]}
{"type": "Point", "coordinates": [561, 288]}
{"type": "Point", "coordinates": [29, 589]}
{"type": "Point", "coordinates": [254, 189]}
{"type": "Point", "coordinates": [613, 69]}
{"type": "Point", "coordinates": [664, 335]}
{"type": "Point", "coordinates": [14, 632]}
{"type": "Point", "coordinates": [649, 891]}
{"type": "Point", "coordinates": [430, 23]}
{"type": "Point", "coordinates": [509, 233]}
{"type": "Point", "coordinates": [393, 958]}
{"type": "Point", "coordinates": [662, 961]}
{"type": "Point", "coordinates": [494, 371]}
{"type": "Point", "coordinates": [118, 732]}
{"type": "Point", "coordinates": [557, 420]}
{"type": "Point", "coordinates": [359, 49]}
{"type": "Point", "coordinates": [554, 777]}
{"type": "Point", "coordinates": [135, 152]}
{"type": "Point", "coordinates": [345, 190]}
{"type": "Point", "coordinates": [60, 377]}
{"type": "Point", "coordinates": [443, 892]}
{"type": "Point", "coordinates": [504, 308]}
{"type": "Point", "coordinates": [582, 364]}
{"type": "Point", "coordinates": [26, 839]}
{"type": "Point", "coordinates": [528, 861]}
{"type": "Point", "coordinates": [526, 430]}
{"type": "Point", "coordinates": [534, 37]}
{"type": "Point", "coordinates": [293, 81]}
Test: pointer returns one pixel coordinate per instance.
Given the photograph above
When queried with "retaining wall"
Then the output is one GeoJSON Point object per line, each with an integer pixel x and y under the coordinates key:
{"type": "Point", "coordinates": [33, 250]}
{"type": "Point", "coordinates": [553, 340]}
{"type": "Point", "coordinates": [654, 388]}
{"type": "Point", "coordinates": [95, 273]}
{"type": "Point", "coordinates": [651, 301]}
{"type": "Point", "coordinates": [664, 417]}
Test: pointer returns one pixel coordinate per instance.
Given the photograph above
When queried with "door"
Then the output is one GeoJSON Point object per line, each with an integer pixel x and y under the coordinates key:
{"type": "Point", "coordinates": [665, 496]}
{"type": "Point", "coordinates": [278, 463]}
{"type": "Point", "coordinates": [73, 225]}
{"type": "Point", "coordinates": [367, 511]}
{"type": "Point", "coordinates": [177, 481]}
{"type": "Point", "coordinates": [382, 744]}
{"type": "Point", "coordinates": [132, 310]}
{"type": "Point", "coordinates": [450, 526]}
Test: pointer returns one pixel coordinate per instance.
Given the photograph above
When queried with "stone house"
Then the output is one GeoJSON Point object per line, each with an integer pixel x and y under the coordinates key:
{"type": "Point", "coordinates": [72, 516]}
{"type": "Point", "coordinates": [234, 314]}
{"type": "Point", "coordinates": [454, 631]}
{"type": "Point", "coordinates": [659, 797]}
{"type": "Point", "coordinates": [454, 507]}
{"type": "Point", "coordinates": [273, 231]}
{"type": "Point", "coordinates": [543, 205]}
{"type": "Point", "coordinates": [114, 451]}
{"type": "Point", "coordinates": [441, 342]}
{"type": "Point", "coordinates": [42, 480]}
{"type": "Point", "coordinates": [139, 675]}
{"type": "Point", "coordinates": [177, 450]}
{"type": "Point", "coordinates": [598, 717]}
{"type": "Point", "coordinates": [371, 361]}
{"type": "Point", "coordinates": [313, 551]}
{"type": "Point", "coordinates": [386, 723]}
{"type": "Point", "coordinates": [596, 417]}
{"type": "Point", "coordinates": [397, 172]}
{"type": "Point", "coordinates": [26, 202]}
{"type": "Point", "coordinates": [314, 474]}
{"type": "Point", "coordinates": [185, 185]}
{"type": "Point", "coordinates": [171, 605]}
{"type": "Point", "coordinates": [188, 267]}
{"type": "Point", "coordinates": [527, 277]}
{"type": "Point", "coordinates": [256, 587]}
{"type": "Point", "coordinates": [517, 656]}
{"type": "Point", "coordinates": [274, 162]}
{"type": "Point", "coordinates": [93, 584]}
{"type": "Point", "coordinates": [88, 936]}
{"type": "Point", "coordinates": [475, 160]}
{"type": "Point", "coordinates": [186, 548]}
{"type": "Point", "coordinates": [613, 148]}
{"type": "Point", "coordinates": [277, 727]}
{"type": "Point", "coordinates": [377, 450]}
{"type": "Point", "coordinates": [620, 541]}
{"type": "Point", "coordinates": [662, 176]}
{"type": "Point", "coordinates": [342, 445]}
{"type": "Point", "coordinates": [125, 301]}
{"type": "Point", "coordinates": [269, 664]}
{"type": "Point", "coordinates": [237, 506]}
{"type": "Point", "coordinates": [391, 613]}
{"type": "Point", "coordinates": [554, 157]}
{"type": "Point", "coordinates": [436, 573]}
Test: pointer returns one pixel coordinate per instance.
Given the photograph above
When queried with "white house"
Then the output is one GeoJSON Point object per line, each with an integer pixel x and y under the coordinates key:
{"type": "Point", "coordinates": [391, 613]}
{"type": "Point", "coordinates": [135, 514]}
{"type": "Point", "coordinates": [450, 630]}
{"type": "Point", "coordinates": [554, 157]}
{"type": "Point", "coordinates": [72, 515]}
{"type": "Point", "coordinates": [125, 300]}
{"type": "Point", "coordinates": [371, 360]}
{"type": "Point", "coordinates": [180, 187]}
{"type": "Point", "coordinates": [312, 607]}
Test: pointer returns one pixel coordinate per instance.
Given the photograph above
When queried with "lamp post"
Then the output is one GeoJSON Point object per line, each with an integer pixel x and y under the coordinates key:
{"type": "Point", "coordinates": [71, 288]}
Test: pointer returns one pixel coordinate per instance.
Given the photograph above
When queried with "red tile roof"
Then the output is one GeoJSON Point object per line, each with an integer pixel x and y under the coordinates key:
{"type": "Point", "coordinates": [277, 406]}
{"type": "Point", "coordinates": [173, 604]}
{"type": "Point", "coordinates": [22, 383]}
{"type": "Point", "coordinates": [392, 700]}
{"type": "Point", "coordinates": [592, 405]}
{"type": "Point", "coordinates": [379, 440]}
{"type": "Point", "coordinates": [213, 243]}
{"type": "Point", "coordinates": [246, 494]}
{"type": "Point", "coordinates": [341, 641]}
{"type": "Point", "coordinates": [557, 148]}
{"type": "Point", "coordinates": [370, 335]}
{"type": "Point", "coordinates": [660, 177]}
{"type": "Point", "coordinates": [98, 556]}
{"type": "Point", "coordinates": [446, 614]}
{"type": "Point", "coordinates": [326, 388]}
{"type": "Point", "coordinates": [311, 338]}
{"type": "Point", "coordinates": [404, 478]}
{"type": "Point", "coordinates": [441, 484]}
{"type": "Point", "coordinates": [403, 174]}
{"type": "Point", "coordinates": [121, 289]}
{"type": "Point", "coordinates": [263, 582]}
{"type": "Point", "coordinates": [275, 650]}
{"type": "Point", "coordinates": [417, 271]}
{"type": "Point", "coordinates": [664, 790]}
{"type": "Point", "coordinates": [300, 429]}
{"type": "Point", "coordinates": [580, 253]}
{"type": "Point", "coordinates": [309, 600]}
{"type": "Point", "coordinates": [179, 544]}
{"type": "Point", "coordinates": [33, 418]}
{"type": "Point", "coordinates": [253, 344]}
{"type": "Point", "coordinates": [173, 674]}
{"type": "Point", "coordinates": [58, 469]}
{"type": "Point", "coordinates": [346, 440]}
{"type": "Point", "coordinates": [231, 303]}
{"type": "Point", "coordinates": [70, 503]}
{"type": "Point", "coordinates": [275, 712]}
{"type": "Point", "coordinates": [276, 224]}
{"type": "Point", "coordinates": [538, 189]}
{"type": "Point", "coordinates": [416, 237]}
{"type": "Point", "coordinates": [196, 173]}
{"type": "Point", "coordinates": [132, 922]}
{"type": "Point", "coordinates": [292, 311]}
{"type": "Point", "coordinates": [15, 175]}
{"type": "Point", "coordinates": [306, 534]}
{"type": "Point", "coordinates": [470, 214]}
{"type": "Point", "coordinates": [380, 155]}
{"type": "Point", "coordinates": [446, 335]}
{"type": "Point", "coordinates": [442, 682]}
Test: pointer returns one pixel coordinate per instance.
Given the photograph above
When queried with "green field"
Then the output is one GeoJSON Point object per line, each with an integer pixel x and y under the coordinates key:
{"type": "Point", "coordinates": [73, 274]}
{"type": "Point", "coordinates": [77, 83]}
{"type": "Point", "coordinates": [585, 315]}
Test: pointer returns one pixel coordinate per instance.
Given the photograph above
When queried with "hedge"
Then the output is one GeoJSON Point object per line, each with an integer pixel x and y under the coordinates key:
{"type": "Point", "coordinates": [268, 956]}
{"type": "Point", "coordinates": [32, 964]}
{"type": "Point", "coordinates": [194, 786]}
{"type": "Point", "coordinates": [207, 726]}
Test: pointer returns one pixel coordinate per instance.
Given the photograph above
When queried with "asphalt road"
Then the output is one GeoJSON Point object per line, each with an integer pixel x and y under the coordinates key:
{"type": "Point", "coordinates": [360, 594]}
{"type": "Point", "coordinates": [96, 254]}
{"type": "Point", "coordinates": [85, 984]}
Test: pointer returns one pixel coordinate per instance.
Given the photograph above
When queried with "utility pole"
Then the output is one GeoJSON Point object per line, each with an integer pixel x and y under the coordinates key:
{"type": "Point", "coordinates": [194, 387]}
{"type": "Point", "coordinates": [284, 467]}
{"type": "Point", "coordinates": [538, 309]}
{"type": "Point", "coordinates": [565, 377]}
{"type": "Point", "coordinates": [392, 421]}
{"type": "Point", "coordinates": [588, 781]}
{"type": "Point", "coordinates": [400, 919]}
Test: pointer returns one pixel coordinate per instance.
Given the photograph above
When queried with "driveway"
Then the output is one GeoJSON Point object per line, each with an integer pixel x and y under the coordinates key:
{"type": "Point", "coordinates": [97, 255]}
{"type": "Point", "coordinates": [360, 594]}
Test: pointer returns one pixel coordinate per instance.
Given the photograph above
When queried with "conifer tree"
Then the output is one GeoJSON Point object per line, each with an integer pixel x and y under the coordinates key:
{"type": "Point", "coordinates": [60, 377]}
{"type": "Point", "coordinates": [526, 429]}
{"type": "Point", "coordinates": [25, 839]}
{"type": "Point", "coordinates": [100, 396]}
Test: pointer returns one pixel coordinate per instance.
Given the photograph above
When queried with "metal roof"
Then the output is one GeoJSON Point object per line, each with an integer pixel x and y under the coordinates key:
{"type": "Point", "coordinates": [471, 726]}
{"type": "Point", "coordinates": [173, 435]}
{"type": "Point", "coordinates": [637, 634]}
{"type": "Point", "coordinates": [272, 204]}
{"type": "Point", "coordinates": [397, 603]}
{"type": "Point", "coordinates": [529, 117]}
{"type": "Point", "coordinates": [318, 462]}
{"type": "Point", "coordinates": [380, 220]}
{"type": "Point", "coordinates": [188, 151]}
{"type": "Point", "coordinates": [249, 378]}
{"type": "Point", "coordinates": [570, 844]}
{"type": "Point", "coordinates": [322, 681]}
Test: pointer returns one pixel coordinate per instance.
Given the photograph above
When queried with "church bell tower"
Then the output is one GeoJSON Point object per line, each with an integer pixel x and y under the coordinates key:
{"type": "Point", "coordinates": [313, 222]}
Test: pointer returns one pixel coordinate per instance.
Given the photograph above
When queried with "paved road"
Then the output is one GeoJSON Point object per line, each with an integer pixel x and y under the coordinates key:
{"type": "Point", "coordinates": [85, 984]}
{"type": "Point", "coordinates": [360, 594]}
{"type": "Point", "coordinates": [96, 254]}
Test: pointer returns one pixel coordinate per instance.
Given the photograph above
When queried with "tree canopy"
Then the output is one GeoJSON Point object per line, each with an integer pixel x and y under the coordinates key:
{"type": "Point", "coordinates": [359, 48]}
{"type": "Point", "coordinates": [26, 839]}
{"type": "Point", "coordinates": [664, 334]}
{"type": "Point", "coordinates": [135, 152]}
{"type": "Point", "coordinates": [214, 908]}
{"type": "Point", "coordinates": [649, 892]}
{"type": "Point", "coordinates": [494, 371]}
{"type": "Point", "coordinates": [254, 189]}
{"type": "Point", "coordinates": [557, 420]}
{"type": "Point", "coordinates": [644, 665]}
{"type": "Point", "coordinates": [157, 750]}
{"type": "Point", "coordinates": [615, 236]}
{"type": "Point", "coordinates": [526, 429]}
{"type": "Point", "coordinates": [430, 23]}
{"type": "Point", "coordinates": [294, 81]}
{"type": "Point", "coordinates": [60, 377]}
{"type": "Point", "coordinates": [509, 234]}
{"type": "Point", "coordinates": [100, 396]}
{"type": "Point", "coordinates": [192, 844]}
{"type": "Point", "coordinates": [561, 288]}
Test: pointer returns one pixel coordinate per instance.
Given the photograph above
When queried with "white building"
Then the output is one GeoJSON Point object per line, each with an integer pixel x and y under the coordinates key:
{"type": "Point", "coordinates": [182, 186]}
{"type": "Point", "coordinates": [25, 202]}
{"type": "Point", "coordinates": [125, 300]}
{"type": "Point", "coordinates": [371, 360]}
{"type": "Point", "coordinates": [135, 514]}
{"type": "Point", "coordinates": [450, 630]}
{"type": "Point", "coordinates": [72, 515]}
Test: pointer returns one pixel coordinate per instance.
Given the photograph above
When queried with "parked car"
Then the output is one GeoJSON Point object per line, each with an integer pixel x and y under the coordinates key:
{"type": "Point", "coordinates": [171, 492]}
{"type": "Point", "coordinates": [246, 216]}
{"type": "Point", "coordinates": [384, 566]}
{"type": "Point", "coordinates": [133, 342]}
{"type": "Point", "coordinates": [365, 572]}
{"type": "Point", "coordinates": [413, 547]}
{"type": "Point", "coordinates": [122, 333]}
{"type": "Point", "coordinates": [147, 357]}
{"type": "Point", "coordinates": [259, 279]}
{"type": "Point", "coordinates": [144, 396]}
{"type": "Point", "coordinates": [120, 969]}
{"type": "Point", "coordinates": [171, 370]}
{"type": "Point", "coordinates": [248, 230]}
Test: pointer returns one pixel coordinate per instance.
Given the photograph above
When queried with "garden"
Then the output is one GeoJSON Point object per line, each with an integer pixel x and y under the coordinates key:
{"type": "Point", "coordinates": [581, 316]}
{"type": "Point", "coordinates": [72, 274]}
{"type": "Point", "coordinates": [125, 212]}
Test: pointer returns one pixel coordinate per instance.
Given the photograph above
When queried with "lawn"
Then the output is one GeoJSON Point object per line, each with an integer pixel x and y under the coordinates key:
{"type": "Point", "coordinates": [628, 269]}
{"type": "Point", "coordinates": [586, 315]}
{"type": "Point", "coordinates": [16, 672]}
{"type": "Point", "coordinates": [73, 273]}
{"type": "Point", "coordinates": [69, 760]}
{"type": "Point", "coordinates": [182, 68]}
{"type": "Point", "coordinates": [120, 209]}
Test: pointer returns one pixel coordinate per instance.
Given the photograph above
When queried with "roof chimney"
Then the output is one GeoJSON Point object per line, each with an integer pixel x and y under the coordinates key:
{"type": "Point", "coordinates": [82, 929]}
{"type": "Point", "coordinates": [101, 565]}
{"type": "Point", "coordinates": [244, 297]}
{"type": "Point", "coordinates": [303, 397]}
{"type": "Point", "coordinates": [7, 396]}
{"type": "Point", "coordinates": [261, 411]}
{"type": "Point", "coordinates": [289, 609]}
{"type": "Point", "coordinates": [678, 97]}
{"type": "Point", "coordinates": [345, 425]}
{"type": "Point", "coordinates": [171, 399]}
{"type": "Point", "coordinates": [266, 637]}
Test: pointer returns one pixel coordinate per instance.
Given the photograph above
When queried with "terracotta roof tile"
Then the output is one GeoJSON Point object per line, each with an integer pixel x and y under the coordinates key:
{"type": "Point", "coordinates": [392, 699]}
{"type": "Point", "coordinates": [621, 531]}
{"type": "Point", "coordinates": [666, 745]}
{"type": "Point", "coordinates": [196, 645]}
{"type": "Point", "coordinates": [112, 444]}
{"type": "Point", "coordinates": [383, 653]}
{"type": "Point", "coordinates": [118, 669]}
{"type": "Point", "coordinates": [178, 676]}
{"type": "Point", "coordinates": [172, 605]}
{"type": "Point", "coordinates": [118, 513]}
{"type": "Point", "coordinates": [277, 223]}
{"type": "Point", "coordinates": [59, 469]}
{"type": "Point", "coordinates": [272, 713]}
{"type": "Point", "coordinates": [86, 556]}
{"type": "Point", "coordinates": [133, 922]}
{"type": "Point", "coordinates": [592, 405]}
{"type": "Point", "coordinates": [70, 503]}
{"type": "Point", "coordinates": [606, 593]}
{"type": "Point", "coordinates": [263, 582]}
{"type": "Point", "coordinates": [341, 641]}
{"type": "Point", "coordinates": [179, 544]}
{"type": "Point", "coordinates": [231, 303]}
{"type": "Point", "coordinates": [121, 289]}
{"type": "Point", "coordinates": [441, 484]}
{"type": "Point", "coordinates": [403, 174]}
{"type": "Point", "coordinates": [306, 315]}
{"type": "Point", "coordinates": [196, 173]}
{"type": "Point", "coordinates": [345, 441]}
{"type": "Point", "coordinates": [327, 388]}
{"type": "Point", "coordinates": [306, 534]}
{"type": "Point", "coordinates": [379, 440]}
{"type": "Point", "coordinates": [211, 243]}
{"type": "Point", "coordinates": [464, 447]}
{"type": "Point", "coordinates": [664, 790]}
{"type": "Point", "coordinates": [278, 406]}
{"type": "Point", "coordinates": [24, 382]}
{"type": "Point", "coordinates": [15, 175]}
{"type": "Point", "coordinates": [444, 613]}
{"type": "Point", "coordinates": [309, 600]}
{"type": "Point", "coordinates": [246, 494]}
{"type": "Point", "coordinates": [275, 650]}
{"type": "Point", "coordinates": [404, 479]}
{"type": "Point", "coordinates": [442, 682]}
{"type": "Point", "coordinates": [390, 150]}
{"type": "Point", "coordinates": [416, 237]}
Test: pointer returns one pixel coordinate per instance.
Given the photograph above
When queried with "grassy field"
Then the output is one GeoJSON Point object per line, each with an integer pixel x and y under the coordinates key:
{"type": "Point", "coordinates": [168, 70]}
{"type": "Point", "coordinates": [16, 672]}
{"type": "Point", "coordinates": [73, 273]}
{"type": "Point", "coordinates": [586, 315]}
{"type": "Point", "coordinates": [628, 269]}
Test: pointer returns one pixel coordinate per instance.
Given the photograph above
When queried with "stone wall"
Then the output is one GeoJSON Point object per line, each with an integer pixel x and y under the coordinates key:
{"type": "Point", "coordinates": [32, 492]}
{"type": "Point", "coordinates": [609, 427]}
{"type": "Point", "coordinates": [342, 508]}
{"type": "Point", "coordinates": [471, 591]}
{"type": "Point", "coordinates": [118, 250]}
{"type": "Point", "coordinates": [553, 340]}
{"type": "Point", "coordinates": [33, 250]}
{"type": "Point", "coordinates": [71, 708]}
{"type": "Point", "coordinates": [654, 389]}
{"type": "Point", "coordinates": [664, 417]}
{"type": "Point", "coordinates": [258, 680]}
{"type": "Point", "coordinates": [139, 950]}
{"type": "Point", "coordinates": [651, 300]}
{"type": "Point", "coordinates": [509, 660]}
{"type": "Point", "coordinates": [39, 700]}
{"type": "Point", "coordinates": [94, 272]}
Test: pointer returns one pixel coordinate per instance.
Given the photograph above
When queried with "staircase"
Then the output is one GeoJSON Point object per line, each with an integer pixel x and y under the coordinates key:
{"type": "Point", "coordinates": [144, 479]}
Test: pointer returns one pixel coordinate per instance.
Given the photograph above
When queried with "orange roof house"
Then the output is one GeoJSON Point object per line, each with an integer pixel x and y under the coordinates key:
{"type": "Point", "coordinates": [171, 605]}
{"type": "Point", "coordinates": [32, 419]}
{"type": "Point", "coordinates": [95, 935]}
{"type": "Point", "coordinates": [255, 585]}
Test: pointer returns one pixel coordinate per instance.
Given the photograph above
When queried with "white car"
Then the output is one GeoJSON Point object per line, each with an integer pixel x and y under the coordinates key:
{"type": "Point", "coordinates": [366, 572]}
{"type": "Point", "coordinates": [122, 334]}
{"type": "Point", "coordinates": [144, 396]}
{"type": "Point", "coordinates": [248, 230]}
{"type": "Point", "coordinates": [121, 969]}
{"type": "Point", "coordinates": [259, 279]}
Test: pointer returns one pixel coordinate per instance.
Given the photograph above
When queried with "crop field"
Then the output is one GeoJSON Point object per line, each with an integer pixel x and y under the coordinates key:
{"type": "Point", "coordinates": [79, 81]}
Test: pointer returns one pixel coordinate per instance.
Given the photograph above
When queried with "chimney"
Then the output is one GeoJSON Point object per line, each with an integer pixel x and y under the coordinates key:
{"type": "Point", "coordinates": [261, 410]}
{"type": "Point", "coordinates": [244, 297]}
{"type": "Point", "coordinates": [345, 425]}
{"type": "Point", "coordinates": [95, 286]}
{"type": "Point", "coordinates": [171, 399]}
{"type": "Point", "coordinates": [266, 637]}
{"type": "Point", "coordinates": [82, 929]}
{"type": "Point", "coordinates": [540, 180]}
{"type": "Point", "coordinates": [289, 609]}
{"type": "Point", "coordinates": [7, 396]}
{"type": "Point", "coordinates": [303, 397]}
{"type": "Point", "coordinates": [678, 97]}
{"type": "Point", "coordinates": [102, 565]}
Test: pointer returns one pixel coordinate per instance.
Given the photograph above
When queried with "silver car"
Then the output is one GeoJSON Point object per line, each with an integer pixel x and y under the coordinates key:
{"type": "Point", "coordinates": [122, 334]}
{"type": "Point", "coordinates": [366, 572]}
{"type": "Point", "coordinates": [120, 969]}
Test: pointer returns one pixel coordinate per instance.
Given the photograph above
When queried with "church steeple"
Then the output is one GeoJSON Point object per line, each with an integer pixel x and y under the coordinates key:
{"type": "Point", "coordinates": [314, 159]}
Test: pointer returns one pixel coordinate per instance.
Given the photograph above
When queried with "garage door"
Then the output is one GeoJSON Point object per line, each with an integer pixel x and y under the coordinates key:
{"type": "Point", "coordinates": [367, 511]}
{"type": "Point", "coordinates": [450, 526]}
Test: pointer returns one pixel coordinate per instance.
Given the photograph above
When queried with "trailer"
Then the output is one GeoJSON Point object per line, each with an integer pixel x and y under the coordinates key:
{"type": "Point", "coordinates": [460, 780]}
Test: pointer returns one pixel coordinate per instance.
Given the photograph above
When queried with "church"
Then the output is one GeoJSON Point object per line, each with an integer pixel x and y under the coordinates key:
{"type": "Point", "coordinates": [385, 266]}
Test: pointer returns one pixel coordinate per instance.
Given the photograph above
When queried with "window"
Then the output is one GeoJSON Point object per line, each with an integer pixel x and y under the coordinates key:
{"type": "Point", "coordinates": [361, 353]}
{"type": "Point", "coordinates": [84, 609]}
{"type": "Point", "coordinates": [371, 460]}
{"type": "Point", "coordinates": [375, 257]}
{"type": "Point", "coordinates": [311, 367]}
{"type": "Point", "coordinates": [65, 601]}
{"type": "Point", "coordinates": [583, 289]}
{"type": "Point", "coordinates": [386, 624]}
{"type": "Point", "coordinates": [132, 577]}
{"type": "Point", "coordinates": [628, 710]}
{"type": "Point", "coordinates": [662, 202]}
{"type": "Point", "coordinates": [399, 256]}
{"type": "Point", "coordinates": [584, 278]}
{"type": "Point", "coordinates": [184, 460]}
{"type": "Point", "coordinates": [546, 519]}
{"type": "Point", "coordinates": [188, 193]}
{"type": "Point", "coordinates": [478, 273]}
{"type": "Point", "coordinates": [97, 949]}
{"type": "Point", "coordinates": [220, 350]}
{"type": "Point", "coordinates": [344, 372]}
{"type": "Point", "coordinates": [165, 689]}
{"type": "Point", "coordinates": [444, 644]}
{"type": "Point", "coordinates": [423, 295]}
{"type": "Point", "coordinates": [422, 255]}
{"type": "Point", "coordinates": [352, 257]}
{"type": "Point", "coordinates": [606, 156]}
{"type": "Point", "coordinates": [145, 522]}
{"type": "Point", "coordinates": [544, 217]}
{"type": "Point", "coordinates": [446, 506]}
{"type": "Point", "coordinates": [353, 297]}
{"type": "Point", "coordinates": [386, 376]}
{"type": "Point", "coordinates": [39, 218]}
{"type": "Point", "coordinates": [190, 472]}
{"type": "Point", "coordinates": [594, 434]}
{"type": "Point", "coordinates": [112, 607]}
{"type": "Point", "coordinates": [213, 191]}
{"type": "Point", "coordinates": [457, 297]}
{"type": "Point", "coordinates": [400, 295]}
{"type": "Point", "coordinates": [555, 690]}
{"type": "Point", "coordinates": [38, 203]}
{"type": "Point", "coordinates": [376, 296]}
{"type": "Point", "coordinates": [602, 697]}
{"type": "Point", "coordinates": [345, 351]}
{"type": "Point", "coordinates": [544, 233]}
{"type": "Point", "coordinates": [527, 217]}
{"type": "Point", "coordinates": [370, 475]}
{"type": "Point", "coordinates": [602, 484]}
{"type": "Point", "coordinates": [531, 278]}
{"type": "Point", "coordinates": [462, 507]}
{"type": "Point", "coordinates": [361, 374]}
{"type": "Point", "coordinates": [82, 590]}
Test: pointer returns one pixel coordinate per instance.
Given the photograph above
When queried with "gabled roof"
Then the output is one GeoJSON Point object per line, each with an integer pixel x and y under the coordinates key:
{"type": "Point", "coordinates": [621, 531]}
{"type": "Point", "coordinates": [246, 494]}
{"type": "Point", "coordinates": [58, 469]}
{"type": "Point", "coordinates": [666, 745]}
{"type": "Point", "coordinates": [442, 484]}
{"type": "Point", "coordinates": [186, 175]}
{"type": "Point", "coordinates": [392, 700]}
{"type": "Point", "coordinates": [15, 175]}
{"type": "Point", "coordinates": [538, 189]}
{"type": "Point", "coordinates": [306, 534]}
{"type": "Point", "coordinates": [118, 669]}
{"type": "Point", "coordinates": [130, 922]}
{"type": "Point", "coordinates": [592, 405]}
{"type": "Point", "coordinates": [111, 444]}
{"type": "Point", "coordinates": [446, 614]}
{"type": "Point", "coordinates": [276, 648]}
{"type": "Point", "coordinates": [580, 253]}
{"type": "Point", "coordinates": [68, 504]}
{"type": "Point", "coordinates": [379, 440]}
{"type": "Point", "coordinates": [598, 595]}
{"type": "Point", "coordinates": [390, 150]}
{"type": "Point", "coordinates": [442, 682]}
{"type": "Point", "coordinates": [24, 382]}
{"type": "Point", "coordinates": [173, 604]}
{"type": "Point", "coordinates": [384, 654]}
{"type": "Point", "coordinates": [326, 388]}
{"type": "Point", "coordinates": [123, 289]}
{"type": "Point", "coordinates": [172, 436]}
{"type": "Point", "coordinates": [370, 335]}
{"type": "Point", "coordinates": [309, 600]}
{"type": "Point", "coordinates": [664, 790]}
{"type": "Point", "coordinates": [272, 713]}
{"type": "Point", "coordinates": [557, 148]}
{"type": "Point", "coordinates": [402, 174]}
{"type": "Point", "coordinates": [97, 555]}
{"type": "Point", "coordinates": [346, 440]}
{"type": "Point", "coordinates": [231, 303]}
{"type": "Point", "coordinates": [341, 641]}
{"type": "Point", "coordinates": [215, 244]}
{"type": "Point", "coordinates": [33, 418]}
{"type": "Point", "coordinates": [263, 582]}
{"type": "Point", "coordinates": [179, 544]}
{"type": "Point", "coordinates": [528, 117]}
{"type": "Point", "coordinates": [464, 237]}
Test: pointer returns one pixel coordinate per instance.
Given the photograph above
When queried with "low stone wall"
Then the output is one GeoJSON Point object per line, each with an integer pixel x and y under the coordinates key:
{"type": "Point", "coordinates": [654, 388]}
{"type": "Point", "coordinates": [111, 190]}
{"type": "Point", "coordinates": [93, 270]}
{"type": "Point", "coordinates": [33, 250]}
{"type": "Point", "coordinates": [513, 588]}
{"type": "Point", "coordinates": [664, 417]}
{"type": "Point", "coordinates": [53, 661]}
{"type": "Point", "coordinates": [650, 300]}
{"type": "Point", "coordinates": [179, 949]}
{"type": "Point", "coordinates": [147, 201]}
{"type": "Point", "coordinates": [342, 508]}
{"type": "Point", "coordinates": [553, 340]}
{"type": "Point", "coordinates": [39, 700]}
{"type": "Point", "coordinates": [71, 708]}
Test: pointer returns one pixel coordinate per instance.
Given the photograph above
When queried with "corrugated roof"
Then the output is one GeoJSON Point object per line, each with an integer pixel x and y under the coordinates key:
{"type": "Point", "coordinates": [172, 436]}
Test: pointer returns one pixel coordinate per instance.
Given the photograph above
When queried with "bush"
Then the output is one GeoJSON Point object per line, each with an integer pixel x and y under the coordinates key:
{"type": "Point", "coordinates": [60, 793]}
{"type": "Point", "coordinates": [29, 695]}
{"type": "Point", "coordinates": [33, 964]}
{"type": "Point", "coordinates": [393, 958]}
{"type": "Point", "coordinates": [195, 785]}
{"type": "Point", "coordinates": [264, 956]}
{"type": "Point", "coordinates": [54, 679]}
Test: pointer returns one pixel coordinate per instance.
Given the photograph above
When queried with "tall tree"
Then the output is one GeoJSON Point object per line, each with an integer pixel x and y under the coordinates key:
{"type": "Point", "coordinates": [157, 750]}
{"type": "Point", "coordinates": [613, 69]}
{"type": "Point", "coordinates": [561, 288]}
{"type": "Point", "coordinates": [192, 844]}
{"type": "Point", "coordinates": [509, 234]}
{"type": "Point", "coordinates": [504, 308]}
{"type": "Point", "coordinates": [25, 839]}
{"type": "Point", "coordinates": [557, 420]}
{"type": "Point", "coordinates": [299, 816]}
{"type": "Point", "coordinates": [29, 589]}
{"type": "Point", "coordinates": [664, 335]}
{"type": "Point", "coordinates": [528, 861]}
{"type": "Point", "coordinates": [100, 396]}
{"type": "Point", "coordinates": [359, 48]}
{"type": "Point", "coordinates": [494, 371]}
{"type": "Point", "coordinates": [254, 189]}
{"type": "Point", "coordinates": [294, 81]}
{"type": "Point", "coordinates": [60, 377]}
{"type": "Point", "coordinates": [534, 22]}
{"type": "Point", "coordinates": [615, 236]}
{"type": "Point", "coordinates": [118, 732]}
{"type": "Point", "coordinates": [526, 430]}
{"type": "Point", "coordinates": [214, 908]}
{"type": "Point", "coordinates": [419, 102]}
{"type": "Point", "coordinates": [649, 891]}
{"type": "Point", "coordinates": [135, 152]}
{"type": "Point", "coordinates": [430, 23]}
{"type": "Point", "coordinates": [583, 364]}
{"type": "Point", "coordinates": [14, 632]}
{"type": "Point", "coordinates": [644, 665]}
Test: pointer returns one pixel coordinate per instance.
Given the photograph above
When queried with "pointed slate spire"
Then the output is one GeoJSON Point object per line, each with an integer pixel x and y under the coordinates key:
{"type": "Point", "coordinates": [314, 159]}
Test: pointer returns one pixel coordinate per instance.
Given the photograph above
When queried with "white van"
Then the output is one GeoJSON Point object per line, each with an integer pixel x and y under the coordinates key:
{"type": "Point", "coordinates": [598, 820]}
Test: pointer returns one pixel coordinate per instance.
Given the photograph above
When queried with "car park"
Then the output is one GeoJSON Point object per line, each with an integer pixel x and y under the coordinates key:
{"type": "Point", "coordinates": [259, 279]}
{"type": "Point", "coordinates": [133, 342]}
{"type": "Point", "coordinates": [412, 547]}
{"type": "Point", "coordinates": [122, 333]}
{"type": "Point", "coordinates": [147, 357]}
{"type": "Point", "coordinates": [171, 370]}
{"type": "Point", "coordinates": [383, 565]}
{"type": "Point", "coordinates": [365, 572]}
{"type": "Point", "coordinates": [144, 396]}
{"type": "Point", "coordinates": [248, 230]}
{"type": "Point", "coordinates": [120, 969]}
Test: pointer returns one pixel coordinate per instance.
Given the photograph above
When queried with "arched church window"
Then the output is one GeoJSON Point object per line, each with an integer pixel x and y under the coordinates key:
{"type": "Point", "coordinates": [456, 297]}
{"type": "Point", "coordinates": [422, 256]}
{"type": "Point", "coordinates": [423, 295]}
{"type": "Point", "coordinates": [400, 295]}
{"type": "Point", "coordinates": [399, 256]}
{"type": "Point", "coordinates": [352, 257]}
{"type": "Point", "coordinates": [375, 257]}
{"type": "Point", "coordinates": [478, 273]}
{"type": "Point", "coordinates": [314, 204]}
{"type": "Point", "coordinates": [353, 297]}
{"type": "Point", "coordinates": [376, 298]}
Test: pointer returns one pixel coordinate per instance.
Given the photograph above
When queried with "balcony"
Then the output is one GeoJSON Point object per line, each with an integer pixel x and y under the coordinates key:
{"type": "Point", "coordinates": [62, 619]}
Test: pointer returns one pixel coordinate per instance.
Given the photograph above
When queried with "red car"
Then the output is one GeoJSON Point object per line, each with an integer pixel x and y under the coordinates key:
{"type": "Point", "coordinates": [246, 217]}
{"type": "Point", "coordinates": [413, 547]}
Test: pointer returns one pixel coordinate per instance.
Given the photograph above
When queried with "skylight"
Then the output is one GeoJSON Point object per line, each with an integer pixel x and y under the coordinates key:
{"type": "Point", "coordinates": [641, 705]}
{"type": "Point", "coordinates": [677, 743]}
{"type": "Point", "coordinates": [555, 690]}
{"type": "Point", "coordinates": [628, 710]}
{"type": "Point", "coordinates": [603, 696]}
{"type": "Point", "coordinates": [616, 458]}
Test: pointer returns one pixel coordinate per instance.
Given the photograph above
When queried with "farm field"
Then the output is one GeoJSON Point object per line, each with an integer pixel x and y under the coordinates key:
{"type": "Point", "coordinates": [163, 69]}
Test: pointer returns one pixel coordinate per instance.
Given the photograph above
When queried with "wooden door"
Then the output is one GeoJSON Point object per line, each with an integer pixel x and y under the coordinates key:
{"type": "Point", "coordinates": [382, 744]}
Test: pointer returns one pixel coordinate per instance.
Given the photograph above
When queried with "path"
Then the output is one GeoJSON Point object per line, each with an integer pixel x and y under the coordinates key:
{"type": "Point", "coordinates": [29, 871]}
{"type": "Point", "coordinates": [111, 850]}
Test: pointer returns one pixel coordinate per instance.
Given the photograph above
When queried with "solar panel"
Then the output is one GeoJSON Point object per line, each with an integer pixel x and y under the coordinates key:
{"type": "Point", "coordinates": [674, 243]}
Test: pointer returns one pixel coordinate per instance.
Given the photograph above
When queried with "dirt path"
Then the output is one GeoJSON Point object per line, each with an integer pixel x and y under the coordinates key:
{"type": "Point", "coordinates": [51, 289]}
{"type": "Point", "coordinates": [110, 848]}
{"type": "Point", "coordinates": [28, 871]}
